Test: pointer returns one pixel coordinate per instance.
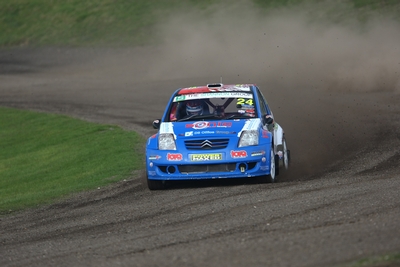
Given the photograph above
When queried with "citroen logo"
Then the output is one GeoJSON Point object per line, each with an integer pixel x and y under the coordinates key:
{"type": "Point", "coordinates": [206, 143]}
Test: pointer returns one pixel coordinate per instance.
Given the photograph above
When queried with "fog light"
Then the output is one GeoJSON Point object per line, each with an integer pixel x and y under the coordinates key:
{"type": "Point", "coordinates": [151, 164]}
{"type": "Point", "coordinates": [171, 169]}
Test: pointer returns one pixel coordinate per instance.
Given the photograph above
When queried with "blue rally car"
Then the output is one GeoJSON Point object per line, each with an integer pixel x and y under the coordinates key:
{"type": "Point", "coordinates": [216, 131]}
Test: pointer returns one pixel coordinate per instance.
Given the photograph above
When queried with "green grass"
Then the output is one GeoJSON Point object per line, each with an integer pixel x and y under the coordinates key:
{"type": "Point", "coordinates": [72, 22]}
{"type": "Point", "coordinates": [379, 261]}
{"type": "Point", "coordinates": [375, 4]}
{"type": "Point", "coordinates": [77, 22]}
{"type": "Point", "coordinates": [44, 157]}
{"type": "Point", "coordinates": [116, 22]}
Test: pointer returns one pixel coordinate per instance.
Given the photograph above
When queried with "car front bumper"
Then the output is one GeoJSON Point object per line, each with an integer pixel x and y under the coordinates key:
{"type": "Point", "coordinates": [208, 164]}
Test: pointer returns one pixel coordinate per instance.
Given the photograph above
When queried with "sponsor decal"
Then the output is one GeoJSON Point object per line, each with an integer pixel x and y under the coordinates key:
{"type": "Point", "coordinates": [151, 173]}
{"type": "Point", "coordinates": [245, 106]}
{"type": "Point", "coordinates": [167, 127]}
{"type": "Point", "coordinates": [204, 132]}
{"type": "Point", "coordinates": [264, 134]}
{"type": "Point", "coordinates": [238, 154]}
{"type": "Point", "coordinates": [156, 157]}
{"type": "Point", "coordinates": [199, 125]}
{"type": "Point", "coordinates": [153, 136]}
{"type": "Point", "coordinates": [174, 156]}
{"type": "Point", "coordinates": [224, 132]}
{"type": "Point", "coordinates": [213, 95]}
{"type": "Point", "coordinates": [205, 157]}
{"type": "Point", "coordinates": [223, 88]}
{"type": "Point", "coordinates": [189, 133]}
{"type": "Point", "coordinates": [251, 124]}
{"type": "Point", "coordinates": [257, 153]}
{"type": "Point", "coordinates": [179, 98]}
{"type": "Point", "coordinates": [241, 111]}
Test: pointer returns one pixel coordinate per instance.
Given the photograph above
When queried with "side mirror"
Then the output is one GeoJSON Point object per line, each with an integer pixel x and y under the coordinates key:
{"type": "Point", "coordinates": [156, 124]}
{"type": "Point", "coordinates": [267, 119]}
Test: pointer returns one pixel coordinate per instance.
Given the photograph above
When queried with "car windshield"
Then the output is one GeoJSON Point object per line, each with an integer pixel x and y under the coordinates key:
{"type": "Point", "coordinates": [212, 106]}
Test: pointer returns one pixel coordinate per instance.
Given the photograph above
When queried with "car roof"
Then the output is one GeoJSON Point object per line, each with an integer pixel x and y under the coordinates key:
{"type": "Point", "coordinates": [216, 87]}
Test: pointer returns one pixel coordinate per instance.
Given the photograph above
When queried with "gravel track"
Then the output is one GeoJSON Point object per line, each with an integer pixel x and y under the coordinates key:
{"type": "Point", "coordinates": [338, 203]}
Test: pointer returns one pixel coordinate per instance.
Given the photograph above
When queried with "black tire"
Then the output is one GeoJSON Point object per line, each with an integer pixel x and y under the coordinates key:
{"type": "Point", "coordinates": [286, 155]}
{"type": "Point", "coordinates": [277, 168]}
{"type": "Point", "coordinates": [272, 177]}
{"type": "Point", "coordinates": [156, 184]}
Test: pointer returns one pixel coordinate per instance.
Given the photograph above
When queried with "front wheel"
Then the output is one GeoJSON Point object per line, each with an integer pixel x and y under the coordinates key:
{"type": "Point", "coordinates": [274, 169]}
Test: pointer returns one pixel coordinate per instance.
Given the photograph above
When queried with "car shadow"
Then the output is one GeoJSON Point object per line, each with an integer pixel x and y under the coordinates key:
{"type": "Point", "coordinates": [225, 182]}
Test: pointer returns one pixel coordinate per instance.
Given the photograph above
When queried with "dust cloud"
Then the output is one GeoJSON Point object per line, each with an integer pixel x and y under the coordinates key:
{"type": "Point", "coordinates": [299, 47]}
{"type": "Point", "coordinates": [318, 67]}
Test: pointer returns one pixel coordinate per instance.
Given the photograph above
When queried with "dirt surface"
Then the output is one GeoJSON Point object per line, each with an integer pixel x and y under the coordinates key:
{"type": "Point", "coordinates": [339, 202]}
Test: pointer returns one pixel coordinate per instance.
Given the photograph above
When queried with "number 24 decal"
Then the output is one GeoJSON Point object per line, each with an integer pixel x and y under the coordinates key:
{"type": "Point", "coordinates": [242, 101]}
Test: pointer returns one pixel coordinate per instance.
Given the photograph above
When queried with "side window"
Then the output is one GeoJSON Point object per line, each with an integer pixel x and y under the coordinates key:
{"type": "Point", "coordinates": [263, 106]}
{"type": "Point", "coordinates": [172, 112]}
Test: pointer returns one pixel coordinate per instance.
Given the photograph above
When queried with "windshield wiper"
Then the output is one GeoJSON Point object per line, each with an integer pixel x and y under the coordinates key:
{"type": "Point", "coordinates": [237, 116]}
{"type": "Point", "coordinates": [206, 116]}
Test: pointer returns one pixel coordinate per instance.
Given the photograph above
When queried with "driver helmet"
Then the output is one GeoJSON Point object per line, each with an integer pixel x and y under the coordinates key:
{"type": "Point", "coordinates": [194, 107]}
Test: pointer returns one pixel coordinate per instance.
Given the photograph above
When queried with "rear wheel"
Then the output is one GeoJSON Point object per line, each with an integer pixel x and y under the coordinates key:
{"type": "Point", "coordinates": [156, 184]}
{"type": "Point", "coordinates": [286, 155]}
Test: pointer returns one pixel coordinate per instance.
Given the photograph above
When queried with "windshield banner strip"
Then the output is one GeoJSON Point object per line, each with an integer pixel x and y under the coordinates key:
{"type": "Point", "coordinates": [212, 95]}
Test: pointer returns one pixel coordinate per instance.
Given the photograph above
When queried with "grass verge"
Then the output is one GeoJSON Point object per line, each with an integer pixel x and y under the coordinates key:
{"type": "Point", "coordinates": [46, 156]}
{"type": "Point", "coordinates": [124, 22]}
{"type": "Point", "coordinates": [388, 260]}
{"type": "Point", "coordinates": [89, 22]}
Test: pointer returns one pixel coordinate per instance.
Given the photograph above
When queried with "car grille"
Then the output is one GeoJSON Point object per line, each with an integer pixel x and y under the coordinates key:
{"type": "Point", "coordinates": [185, 169]}
{"type": "Point", "coordinates": [206, 144]}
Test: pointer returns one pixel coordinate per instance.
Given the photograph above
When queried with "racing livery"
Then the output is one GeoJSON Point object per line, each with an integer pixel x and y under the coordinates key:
{"type": "Point", "coordinates": [216, 131]}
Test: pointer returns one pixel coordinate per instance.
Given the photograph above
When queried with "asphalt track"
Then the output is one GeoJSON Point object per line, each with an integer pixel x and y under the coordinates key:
{"type": "Point", "coordinates": [339, 202]}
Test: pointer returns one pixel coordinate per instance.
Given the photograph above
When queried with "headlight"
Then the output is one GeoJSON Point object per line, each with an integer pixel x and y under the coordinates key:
{"type": "Point", "coordinates": [248, 138]}
{"type": "Point", "coordinates": [166, 142]}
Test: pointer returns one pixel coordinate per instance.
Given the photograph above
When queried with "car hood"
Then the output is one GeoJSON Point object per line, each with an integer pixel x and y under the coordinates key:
{"type": "Point", "coordinates": [201, 129]}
